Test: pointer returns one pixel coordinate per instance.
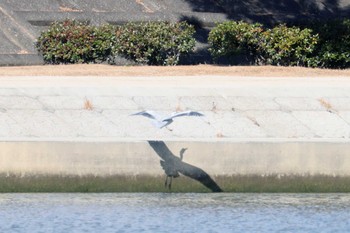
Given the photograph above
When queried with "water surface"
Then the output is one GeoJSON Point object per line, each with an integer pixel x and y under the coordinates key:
{"type": "Point", "coordinates": [167, 212]}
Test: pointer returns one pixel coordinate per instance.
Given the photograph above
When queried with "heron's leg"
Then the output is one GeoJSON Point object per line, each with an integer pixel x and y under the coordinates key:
{"type": "Point", "coordinates": [166, 181]}
{"type": "Point", "coordinates": [170, 181]}
{"type": "Point", "coordinates": [168, 128]}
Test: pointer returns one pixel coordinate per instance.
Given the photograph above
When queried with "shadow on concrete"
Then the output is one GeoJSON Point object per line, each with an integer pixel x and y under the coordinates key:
{"type": "Point", "coordinates": [201, 54]}
{"type": "Point", "coordinates": [270, 12]}
{"type": "Point", "coordinates": [173, 166]}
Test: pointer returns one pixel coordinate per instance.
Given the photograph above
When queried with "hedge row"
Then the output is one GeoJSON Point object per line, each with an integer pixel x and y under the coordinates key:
{"type": "Point", "coordinates": [152, 43]}
{"type": "Point", "coordinates": [316, 44]}
{"type": "Point", "coordinates": [333, 48]}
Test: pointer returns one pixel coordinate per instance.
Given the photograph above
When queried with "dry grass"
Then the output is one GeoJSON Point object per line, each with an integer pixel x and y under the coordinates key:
{"type": "Point", "coordinates": [326, 104]}
{"type": "Point", "coordinates": [88, 105]}
{"type": "Point", "coordinates": [109, 70]}
{"type": "Point", "coordinates": [178, 107]}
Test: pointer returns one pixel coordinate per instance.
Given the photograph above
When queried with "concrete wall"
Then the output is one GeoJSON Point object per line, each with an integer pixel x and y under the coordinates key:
{"type": "Point", "coordinates": [136, 157]}
{"type": "Point", "coordinates": [224, 165]}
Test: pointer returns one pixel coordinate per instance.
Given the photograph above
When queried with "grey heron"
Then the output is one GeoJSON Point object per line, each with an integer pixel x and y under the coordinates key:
{"type": "Point", "coordinates": [170, 169]}
{"type": "Point", "coordinates": [162, 121]}
{"type": "Point", "coordinates": [173, 166]}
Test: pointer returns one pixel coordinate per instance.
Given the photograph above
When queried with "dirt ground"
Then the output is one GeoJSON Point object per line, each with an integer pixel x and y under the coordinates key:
{"type": "Point", "coordinates": [109, 70]}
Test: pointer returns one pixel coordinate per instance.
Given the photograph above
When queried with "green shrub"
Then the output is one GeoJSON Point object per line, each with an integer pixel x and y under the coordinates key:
{"type": "Point", "coordinates": [281, 45]}
{"type": "Point", "coordinates": [333, 50]}
{"type": "Point", "coordinates": [75, 42]}
{"type": "Point", "coordinates": [232, 38]}
{"type": "Point", "coordinates": [287, 46]}
{"type": "Point", "coordinates": [155, 43]}
{"type": "Point", "coordinates": [314, 44]}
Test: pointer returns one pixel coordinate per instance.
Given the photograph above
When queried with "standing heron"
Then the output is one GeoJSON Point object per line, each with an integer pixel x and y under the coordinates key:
{"type": "Point", "coordinates": [162, 121]}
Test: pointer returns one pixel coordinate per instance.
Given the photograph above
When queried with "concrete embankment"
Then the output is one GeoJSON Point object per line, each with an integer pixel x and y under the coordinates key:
{"type": "Point", "coordinates": [258, 134]}
{"type": "Point", "coordinates": [132, 165]}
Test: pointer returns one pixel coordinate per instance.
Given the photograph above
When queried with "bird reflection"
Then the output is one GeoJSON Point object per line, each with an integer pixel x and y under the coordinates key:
{"type": "Point", "coordinates": [173, 166]}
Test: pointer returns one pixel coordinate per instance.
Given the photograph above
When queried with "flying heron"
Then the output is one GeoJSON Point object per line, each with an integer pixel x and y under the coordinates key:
{"type": "Point", "coordinates": [173, 166]}
{"type": "Point", "coordinates": [162, 121]}
{"type": "Point", "coordinates": [170, 169]}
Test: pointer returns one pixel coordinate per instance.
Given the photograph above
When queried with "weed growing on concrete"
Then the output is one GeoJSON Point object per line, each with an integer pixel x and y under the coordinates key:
{"type": "Point", "coordinates": [326, 104]}
{"type": "Point", "coordinates": [88, 105]}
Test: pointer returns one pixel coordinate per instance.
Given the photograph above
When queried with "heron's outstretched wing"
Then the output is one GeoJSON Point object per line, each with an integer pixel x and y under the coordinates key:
{"type": "Point", "coordinates": [198, 174]}
{"type": "Point", "coordinates": [185, 113]}
{"type": "Point", "coordinates": [161, 149]}
{"type": "Point", "coordinates": [149, 114]}
{"type": "Point", "coordinates": [174, 164]}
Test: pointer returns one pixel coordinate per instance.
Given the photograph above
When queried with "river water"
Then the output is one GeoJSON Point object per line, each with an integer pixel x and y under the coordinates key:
{"type": "Point", "coordinates": [169, 212]}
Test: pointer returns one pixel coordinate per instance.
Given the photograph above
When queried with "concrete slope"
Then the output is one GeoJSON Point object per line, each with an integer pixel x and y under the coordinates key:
{"type": "Point", "coordinates": [253, 108]}
{"type": "Point", "coordinates": [18, 37]}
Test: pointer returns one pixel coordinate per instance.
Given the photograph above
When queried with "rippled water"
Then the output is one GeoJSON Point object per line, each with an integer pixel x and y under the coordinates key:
{"type": "Point", "coordinates": [164, 212]}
